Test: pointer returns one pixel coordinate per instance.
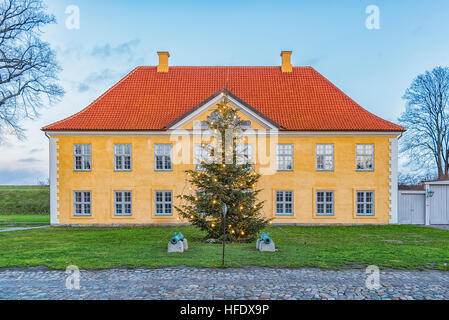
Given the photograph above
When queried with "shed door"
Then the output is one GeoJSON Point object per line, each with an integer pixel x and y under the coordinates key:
{"type": "Point", "coordinates": [412, 208]}
{"type": "Point", "coordinates": [439, 204]}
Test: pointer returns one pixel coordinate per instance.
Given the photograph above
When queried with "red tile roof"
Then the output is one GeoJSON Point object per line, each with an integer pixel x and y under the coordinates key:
{"type": "Point", "coordinates": [302, 100]}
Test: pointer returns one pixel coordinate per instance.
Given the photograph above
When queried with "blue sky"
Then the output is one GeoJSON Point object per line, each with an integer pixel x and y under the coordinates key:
{"type": "Point", "coordinates": [374, 67]}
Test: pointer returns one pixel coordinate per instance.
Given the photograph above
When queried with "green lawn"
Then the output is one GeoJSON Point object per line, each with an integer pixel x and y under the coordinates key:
{"type": "Point", "coordinates": [411, 247]}
{"type": "Point", "coordinates": [25, 218]}
{"type": "Point", "coordinates": [24, 200]}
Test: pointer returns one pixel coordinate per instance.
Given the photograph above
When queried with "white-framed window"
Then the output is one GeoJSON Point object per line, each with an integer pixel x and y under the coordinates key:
{"type": "Point", "coordinates": [122, 157]}
{"type": "Point", "coordinates": [244, 154]}
{"type": "Point", "coordinates": [123, 203]}
{"type": "Point", "coordinates": [82, 203]}
{"type": "Point", "coordinates": [201, 154]}
{"type": "Point", "coordinates": [325, 157]}
{"type": "Point", "coordinates": [164, 203]}
{"type": "Point", "coordinates": [364, 157]}
{"type": "Point", "coordinates": [284, 157]}
{"type": "Point", "coordinates": [82, 157]}
{"type": "Point", "coordinates": [324, 203]}
{"type": "Point", "coordinates": [365, 203]}
{"type": "Point", "coordinates": [163, 157]}
{"type": "Point", "coordinates": [284, 203]}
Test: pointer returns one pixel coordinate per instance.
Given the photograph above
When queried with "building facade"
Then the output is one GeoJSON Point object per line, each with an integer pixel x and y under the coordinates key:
{"type": "Point", "coordinates": [323, 158]}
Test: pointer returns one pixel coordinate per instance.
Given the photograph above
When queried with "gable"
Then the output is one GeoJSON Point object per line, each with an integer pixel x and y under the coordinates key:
{"type": "Point", "coordinates": [202, 111]}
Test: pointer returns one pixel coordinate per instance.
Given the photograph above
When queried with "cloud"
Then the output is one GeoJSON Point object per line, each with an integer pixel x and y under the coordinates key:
{"type": "Point", "coordinates": [36, 150]}
{"type": "Point", "coordinates": [83, 87]}
{"type": "Point", "coordinates": [21, 176]}
{"type": "Point", "coordinates": [30, 160]}
{"type": "Point", "coordinates": [107, 50]}
{"type": "Point", "coordinates": [102, 77]}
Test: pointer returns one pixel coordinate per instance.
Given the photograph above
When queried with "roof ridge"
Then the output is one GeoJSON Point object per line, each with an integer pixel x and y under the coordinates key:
{"type": "Point", "coordinates": [247, 67]}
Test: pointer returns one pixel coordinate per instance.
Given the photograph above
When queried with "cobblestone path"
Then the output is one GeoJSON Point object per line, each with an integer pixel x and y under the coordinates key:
{"type": "Point", "coordinates": [245, 283]}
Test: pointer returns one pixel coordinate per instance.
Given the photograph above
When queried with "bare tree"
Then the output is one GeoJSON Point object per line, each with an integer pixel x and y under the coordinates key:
{"type": "Point", "coordinates": [28, 67]}
{"type": "Point", "coordinates": [427, 121]}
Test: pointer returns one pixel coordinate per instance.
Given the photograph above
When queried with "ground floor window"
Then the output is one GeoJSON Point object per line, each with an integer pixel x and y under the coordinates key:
{"type": "Point", "coordinates": [284, 203]}
{"type": "Point", "coordinates": [123, 203]}
{"type": "Point", "coordinates": [82, 203]}
{"type": "Point", "coordinates": [324, 203]}
{"type": "Point", "coordinates": [164, 203]}
{"type": "Point", "coordinates": [365, 203]}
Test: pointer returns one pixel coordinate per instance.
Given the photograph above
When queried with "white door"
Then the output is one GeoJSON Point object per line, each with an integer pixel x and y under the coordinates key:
{"type": "Point", "coordinates": [439, 204]}
{"type": "Point", "coordinates": [411, 207]}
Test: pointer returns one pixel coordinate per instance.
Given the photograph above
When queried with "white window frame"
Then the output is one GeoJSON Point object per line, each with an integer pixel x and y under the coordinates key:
{"type": "Point", "coordinates": [283, 203]}
{"type": "Point", "coordinates": [121, 153]}
{"type": "Point", "coordinates": [284, 157]}
{"type": "Point", "coordinates": [164, 202]}
{"type": "Point", "coordinates": [324, 203]}
{"type": "Point", "coordinates": [123, 203]}
{"type": "Point", "coordinates": [200, 154]}
{"type": "Point", "coordinates": [164, 151]}
{"type": "Point", "coordinates": [362, 155]}
{"type": "Point", "coordinates": [85, 157]}
{"type": "Point", "coordinates": [325, 155]}
{"type": "Point", "coordinates": [83, 203]}
{"type": "Point", "coordinates": [364, 204]}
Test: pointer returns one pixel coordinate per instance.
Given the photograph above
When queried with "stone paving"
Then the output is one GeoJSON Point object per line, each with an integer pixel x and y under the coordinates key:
{"type": "Point", "coordinates": [200, 284]}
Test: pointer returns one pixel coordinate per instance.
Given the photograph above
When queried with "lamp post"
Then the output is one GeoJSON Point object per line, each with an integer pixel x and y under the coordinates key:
{"type": "Point", "coordinates": [224, 211]}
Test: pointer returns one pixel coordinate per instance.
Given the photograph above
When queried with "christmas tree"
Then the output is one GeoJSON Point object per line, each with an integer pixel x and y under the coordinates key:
{"type": "Point", "coordinates": [225, 175]}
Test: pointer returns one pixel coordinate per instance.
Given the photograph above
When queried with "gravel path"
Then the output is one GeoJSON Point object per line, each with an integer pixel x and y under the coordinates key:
{"type": "Point", "coordinates": [9, 229]}
{"type": "Point", "coordinates": [246, 283]}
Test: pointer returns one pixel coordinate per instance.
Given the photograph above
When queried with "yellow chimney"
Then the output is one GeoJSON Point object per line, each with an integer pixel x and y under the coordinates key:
{"type": "Point", "coordinates": [286, 61]}
{"type": "Point", "coordinates": [163, 61]}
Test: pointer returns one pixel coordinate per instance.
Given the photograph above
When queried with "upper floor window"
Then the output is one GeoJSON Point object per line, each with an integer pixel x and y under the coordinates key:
{"type": "Point", "coordinates": [164, 203]}
{"type": "Point", "coordinates": [325, 157]}
{"type": "Point", "coordinates": [364, 157]}
{"type": "Point", "coordinates": [122, 157]}
{"type": "Point", "coordinates": [284, 157]}
{"type": "Point", "coordinates": [163, 157]}
{"type": "Point", "coordinates": [365, 203]}
{"type": "Point", "coordinates": [201, 154]}
{"type": "Point", "coordinates": [244, 154]}
{"type": "Point", "coordinates": [284, 203]}
{"type": "Point", "coordinates": [123, 203]}
{"type": "Point", "coordinates": [324, 203]}
{"type": "Point", "coordinates": [82, 203]}
{"type": "Point", "coordinates": [82, 157]}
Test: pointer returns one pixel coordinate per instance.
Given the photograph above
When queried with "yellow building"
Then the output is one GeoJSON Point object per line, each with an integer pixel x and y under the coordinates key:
{"type": "Point", "coordinates": [323, 158]}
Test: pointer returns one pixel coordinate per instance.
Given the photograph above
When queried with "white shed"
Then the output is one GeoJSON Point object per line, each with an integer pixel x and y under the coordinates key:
{"type": "Point", "coordinates": [437, 202]}
{"type": "Point", "coordinates": [429, 206]}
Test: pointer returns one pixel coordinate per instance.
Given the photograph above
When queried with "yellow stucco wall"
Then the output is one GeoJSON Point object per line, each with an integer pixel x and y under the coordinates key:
{"type": "Point", "coordinates": [143, 180]}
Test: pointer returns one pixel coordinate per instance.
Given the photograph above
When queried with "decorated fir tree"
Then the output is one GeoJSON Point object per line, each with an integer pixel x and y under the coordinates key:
{"type": "Point", "coordinates": [224, 176]}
